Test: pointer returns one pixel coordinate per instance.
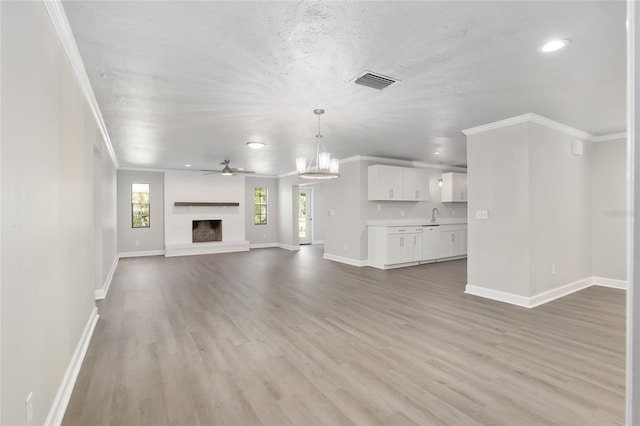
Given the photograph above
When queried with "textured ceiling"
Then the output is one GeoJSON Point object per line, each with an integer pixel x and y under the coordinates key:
{"type": "Point", "coordinates": [192, 82]}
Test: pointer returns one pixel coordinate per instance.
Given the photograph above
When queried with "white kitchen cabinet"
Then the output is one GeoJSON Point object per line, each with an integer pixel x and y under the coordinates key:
{"type": "Point", "coordinates": [454, 187]}
{"type": "Point", "coordinates": [421, 184]}
{"type": "Point", "coordinates": [453, 240]}
{"type": "Point", "coordinates": [430, 243]}
{"type": "Point", "coordinates": [393, 246]}
{"type": "Point", "coordinates": [392, 183]}
{"type": "Point", "coordinates": [385, 182]}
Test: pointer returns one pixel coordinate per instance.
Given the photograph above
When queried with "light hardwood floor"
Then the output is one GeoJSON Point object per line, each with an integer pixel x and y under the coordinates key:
{"type": "Point", "coordinates": [286, 338]}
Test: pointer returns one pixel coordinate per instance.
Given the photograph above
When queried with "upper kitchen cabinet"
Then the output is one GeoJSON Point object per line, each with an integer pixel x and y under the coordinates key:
{"type": "Point", "coordinates": [392, 183]}
{"type": "Point", "coordinates": [454, 187]}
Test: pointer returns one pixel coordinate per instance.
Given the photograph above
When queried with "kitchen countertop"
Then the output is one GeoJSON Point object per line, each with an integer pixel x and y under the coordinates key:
{"type": "Point", "coordinates": [417, 222]}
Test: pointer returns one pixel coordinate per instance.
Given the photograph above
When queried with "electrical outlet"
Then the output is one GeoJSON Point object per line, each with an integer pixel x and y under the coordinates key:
{"type": "Point", "coordinates": [345, 247]}
{"type": "Point", "coordinates": [137, 243]}
{"type": "Point", "coordinates": [28, 408]}
{"type": "Point", "coordinates": [402, 213]}
{"type": "Point", "coordinates": [482, 214]}
{"type": "Point", "coordinates": [379, 206]}
{"type": "Point", "coordinates": [553, 269]}
{"type": "Point", "coordinates": [264, 236]}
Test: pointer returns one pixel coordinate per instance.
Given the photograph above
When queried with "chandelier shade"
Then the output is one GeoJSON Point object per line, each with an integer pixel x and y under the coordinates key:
{"type": "Point", "coordinates": [321, 166]}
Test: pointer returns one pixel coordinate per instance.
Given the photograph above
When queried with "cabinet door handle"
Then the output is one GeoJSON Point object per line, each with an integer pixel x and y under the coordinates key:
{"type": "Point", "coordinates": [453, 237]}
{"type": "Point", "coordinates": [417, 194]}
{"type": "Point", "coordinates": [401, 241]}
{"type": "Point", "coordinates": [415, 240]}
{"type": "Point", "coordinates": [392, 193]}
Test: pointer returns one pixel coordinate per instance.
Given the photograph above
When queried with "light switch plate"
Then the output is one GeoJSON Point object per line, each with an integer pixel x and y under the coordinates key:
{"type": "Point", "coordinates": [482, 214]}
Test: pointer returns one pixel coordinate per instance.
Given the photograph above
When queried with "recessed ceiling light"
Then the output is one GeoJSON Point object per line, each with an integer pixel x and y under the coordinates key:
{"type": "Point", "coordinates": [436, 153]}
{"type": "Point", "coordinates": [255, 145]}
{"type": "Point", "coordinates": [187, 165]}
{"type": "Point", "coordinates": [553, 45]}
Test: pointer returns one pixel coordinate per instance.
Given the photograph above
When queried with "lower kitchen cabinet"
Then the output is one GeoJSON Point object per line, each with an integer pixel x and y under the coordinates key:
{"type": "Point", "coordinates": [453, 240]}
{"type": "Point", "coordinates": [394, 246]}
{"type": "Point", "coordinates": [397, 246]}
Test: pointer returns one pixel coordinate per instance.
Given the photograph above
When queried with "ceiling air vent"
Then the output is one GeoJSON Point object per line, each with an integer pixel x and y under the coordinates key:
{"type": "Point", "coordinates": [376, 81]}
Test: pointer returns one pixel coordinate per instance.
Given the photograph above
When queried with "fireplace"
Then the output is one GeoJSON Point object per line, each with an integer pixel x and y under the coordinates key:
{"type": "Point", "coordinates": [206, 230]}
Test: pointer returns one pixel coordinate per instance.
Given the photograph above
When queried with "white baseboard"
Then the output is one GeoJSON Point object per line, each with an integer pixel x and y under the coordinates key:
{"type": "Point", "coordinates": [347, 260]}
{"type": "Point", "coordinates": [317, 242]}
{"type": "Point", "coordinates": [206, 248]}
{"type": "Point", "coordinates": [556, 293]}
{"type": "Point", "coordinates": [610, 282]}
{"type": "Point", "coordinates": [547, 296]}
{"type": "Point", "coordinates": [61, 401]}
{"type": "Point", "coordinates": [141, 253]}
{"type": "Point", "coordinates": [262, 245]}
{"type": "Point", "coordinates": [500, 296]}
{"type": "Point", "coordinates": [288, 247]}
{"type": "Point", "coordinates": [102, 292]}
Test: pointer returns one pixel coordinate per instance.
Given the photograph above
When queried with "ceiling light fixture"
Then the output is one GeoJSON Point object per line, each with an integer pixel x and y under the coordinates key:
{"type": "Point", "coordinates": [553, 45]}
{"type": "Point", "coordinates": [440, 182]}
{"type": "Point", "coordinates": [322, 166]}
{"type": "Point", "coordinates": [187, 165]}
{"type": "Point", "coordinates": [255, 145]}
{"type": "Point", "coordinates": [436, 153]}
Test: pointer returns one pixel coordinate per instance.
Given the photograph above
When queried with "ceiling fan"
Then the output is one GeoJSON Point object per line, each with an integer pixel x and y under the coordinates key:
{"type": "Point", "coordinates": [226, 170]}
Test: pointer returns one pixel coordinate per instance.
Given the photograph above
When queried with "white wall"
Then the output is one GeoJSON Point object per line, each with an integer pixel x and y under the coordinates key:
{"type": "Point", "coordinates": [196, 186]}
{"type": "Point", "coordinates": [288, 211]}
{"type": "Point", "coordinates": [550, 223]}
{"type": "Point", "coordinates": [261, 234]}
{"type": "Point", "coordinates": [560, 210]}
{"type": "Point", "coordinates": [498, 181]}
{"type": "Point", "coordinates": [318, 213]}
{"type": "Point", "coordinates": [48, 238]}
{"type": "Point", "coordinates": [131, 240]}
{"type": "Point", "coordinates": [343, 229]}
{"type": "Point", "coordinates": [109, 215]}
{"type": "Point", "coordinates": [609, 209]}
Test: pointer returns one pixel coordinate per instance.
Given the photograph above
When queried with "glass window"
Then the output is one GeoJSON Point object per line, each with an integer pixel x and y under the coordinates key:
{"type": "Point", "coordinates": [140, 212]}
{"type": "Point", "coordinates": [260, 206]}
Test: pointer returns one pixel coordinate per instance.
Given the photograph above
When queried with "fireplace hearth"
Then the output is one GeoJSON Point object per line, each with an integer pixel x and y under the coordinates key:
{"type": "Point", "coordinates": [203, 231]}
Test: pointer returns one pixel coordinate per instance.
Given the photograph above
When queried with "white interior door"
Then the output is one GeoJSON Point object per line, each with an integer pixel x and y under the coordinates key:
{"type": "Point", "coordinates": [304, 215]}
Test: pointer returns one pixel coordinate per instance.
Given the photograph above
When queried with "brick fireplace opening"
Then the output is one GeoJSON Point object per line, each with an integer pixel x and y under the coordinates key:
{"type": "Point", "coordinates": [206, 231]}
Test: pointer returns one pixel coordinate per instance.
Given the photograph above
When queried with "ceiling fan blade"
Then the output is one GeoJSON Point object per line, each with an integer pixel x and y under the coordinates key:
{"type": "Point", "coordinates": [234, 171]}
{"type": "Point", "coordinates": [210, 172]}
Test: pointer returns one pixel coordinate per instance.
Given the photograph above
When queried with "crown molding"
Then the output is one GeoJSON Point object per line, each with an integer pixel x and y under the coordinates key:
{"type": "Point", "coordinates": [543, 121]}
{"type": "Point", "coordinates": [611, 137]}
{"type": "Point", "coordinates": [63, 29]}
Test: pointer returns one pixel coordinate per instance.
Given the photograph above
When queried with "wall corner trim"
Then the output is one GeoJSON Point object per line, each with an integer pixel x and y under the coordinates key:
{"type": "Point", "coordinates": [346, 260]}
{"type": "Point", "coordinates": [61, 401]}
{"type": "Point", "coordinates": [63, 29]}
{"type": "Point", "coordinates": [102, 292]}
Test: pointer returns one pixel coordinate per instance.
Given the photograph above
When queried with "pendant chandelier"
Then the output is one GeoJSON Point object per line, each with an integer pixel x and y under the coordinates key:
{"type": "Point", "coordinates": [322, 166]}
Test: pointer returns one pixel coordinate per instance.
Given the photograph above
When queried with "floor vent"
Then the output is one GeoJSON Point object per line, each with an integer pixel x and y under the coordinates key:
{"type": "Point", "coordinates": [375, 81]}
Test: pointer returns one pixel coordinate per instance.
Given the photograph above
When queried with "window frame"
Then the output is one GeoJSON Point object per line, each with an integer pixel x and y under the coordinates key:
{"type": "Point", "coordinates": [264, 205]}
{"type": "Point", "coordinates": [148, 204]}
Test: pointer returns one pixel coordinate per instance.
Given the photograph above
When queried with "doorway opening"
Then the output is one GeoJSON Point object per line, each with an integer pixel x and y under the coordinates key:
{"type": "Point", "coordinates": [305, 215]}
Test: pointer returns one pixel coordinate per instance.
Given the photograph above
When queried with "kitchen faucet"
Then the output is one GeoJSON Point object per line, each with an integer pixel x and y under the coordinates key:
{"type": "Point", "coordinates": [433, 214]}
